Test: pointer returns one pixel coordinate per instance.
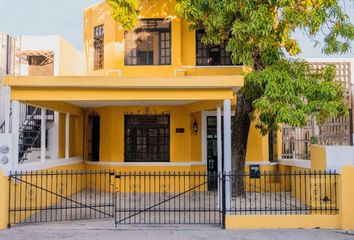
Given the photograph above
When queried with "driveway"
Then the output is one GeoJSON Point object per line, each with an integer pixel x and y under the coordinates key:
{"type": "Point", "coordinates": [103, 230]}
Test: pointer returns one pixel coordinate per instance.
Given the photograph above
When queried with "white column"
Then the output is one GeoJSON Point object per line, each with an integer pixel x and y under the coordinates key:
{"type": "Point", "coordinates": [54, 147]}
{"type": "Point", "coordinates": [43, 133]}
{"type": "Point", "coordinates": [15, 129]}
{"type": "Point", "coordinates": [67, 135]}
{"type": "Point", "coordinates": [219, 140]}
{"type": "Point", "coordinates": [219, 150]}
{"type": "Point", "coordinates": [227, 150]}
{"type": "Point", "coordinates": [7, 107]}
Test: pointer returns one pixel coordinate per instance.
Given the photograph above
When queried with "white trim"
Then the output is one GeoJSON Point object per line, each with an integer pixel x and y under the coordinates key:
{"type": "Point", "coordinates": [7, 106]}
{"type": "Point", "coordinates": [206, 114]}
{"type": "Point", "coordinates": [16, 132]}
{"type": "Point", "coordinates": [147, 164]}
{"type": "Point", "coordinates": [295, 163]}
{"type": "Point", "coordinates": [204, 137]}
{"type": "Point", "coordinates": [55, 136]}
{"type": "Point", "coordinates": [226, 66]}
{"type": "Point", "coordinates": [47, 164]}
{"type": "Point", "coordinates": [219, 140]}
{"type": "Point", "coordinates": [262, 163]}
{"type": "Point", "coordinates": [43, 133]}
{"type": "Point", "coordinates": [227, 150]}
{"type": "Point", "coordinates": [219, 150]}
{"type": "Point", "coordinates": [67, 135]}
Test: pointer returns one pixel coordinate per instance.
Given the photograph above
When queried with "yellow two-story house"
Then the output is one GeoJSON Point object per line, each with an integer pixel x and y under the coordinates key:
{"type": "Point", "coordinates": [155, 98]}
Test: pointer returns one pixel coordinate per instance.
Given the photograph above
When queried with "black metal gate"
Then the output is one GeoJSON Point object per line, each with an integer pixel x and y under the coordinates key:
{"type": "Point", "coordinates": [128, 198]}
{"type": "Point", "coordinates": [47, 196]}
{"type": "Point", "coordinates": [166, 198]}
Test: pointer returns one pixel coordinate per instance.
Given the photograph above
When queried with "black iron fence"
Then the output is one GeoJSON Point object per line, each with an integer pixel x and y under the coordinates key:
{"type": "Point", "coordinates": [167, 197]}
{"type": "Point", "coordinates": [272, 193]}
{"type": "Point", "coordinates": [49, 196]}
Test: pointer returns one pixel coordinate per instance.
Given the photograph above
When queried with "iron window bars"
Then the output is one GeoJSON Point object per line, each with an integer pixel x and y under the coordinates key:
{"type": "Point", "coordinates": [98, 43]}
{"type": "Point", "coordinates": [147, 138]}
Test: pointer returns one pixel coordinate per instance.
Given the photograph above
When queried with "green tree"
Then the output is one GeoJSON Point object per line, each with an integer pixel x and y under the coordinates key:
{"type": "Point", "coordinates": [260, 34]}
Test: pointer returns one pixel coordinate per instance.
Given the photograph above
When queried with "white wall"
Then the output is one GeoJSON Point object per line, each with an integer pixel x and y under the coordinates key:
{"type": "Point", "coordinates": [339, 156]}
{"type": "Point", "coordinates": [6, 140]}
{"type": "Point", "coordinates": [3, 59]}
{"type": "Point", "coordinates": [71, 60]}
{"type": "Point", "coordinates": [42, 43]}
{"type": "Point", "coordinates": [68, 61]}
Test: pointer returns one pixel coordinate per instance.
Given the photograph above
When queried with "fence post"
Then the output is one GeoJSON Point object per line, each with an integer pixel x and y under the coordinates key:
{"type": "Point", "coordinates": [223, 199]}
{"type": "Point", "coordinates": [346, 197]}
{"type": "Point", "coordinates": [4, 200]}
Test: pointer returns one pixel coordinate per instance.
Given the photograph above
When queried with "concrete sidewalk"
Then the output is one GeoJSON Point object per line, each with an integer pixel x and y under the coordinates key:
{"type": "Point", "coordinates": [103, 230]}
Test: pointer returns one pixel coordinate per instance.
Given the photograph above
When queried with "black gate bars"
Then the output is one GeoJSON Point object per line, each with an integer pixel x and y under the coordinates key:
{"type": "Point", "coordinates": [166, 197]}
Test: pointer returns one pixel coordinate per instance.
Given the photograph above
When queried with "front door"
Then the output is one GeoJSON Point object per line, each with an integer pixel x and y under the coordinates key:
{"type": "Point", "coordinates": [212, 154]}
{"type": "Point", "coordinates": [95, 138]}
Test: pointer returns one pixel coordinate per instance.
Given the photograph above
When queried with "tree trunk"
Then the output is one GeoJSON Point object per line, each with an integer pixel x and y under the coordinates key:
{"type": "Point", "coordinates": [240, 132]}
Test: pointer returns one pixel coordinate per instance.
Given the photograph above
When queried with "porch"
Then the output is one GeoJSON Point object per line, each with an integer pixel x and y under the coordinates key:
{"type": "Point", "coordinates": [76, 100]}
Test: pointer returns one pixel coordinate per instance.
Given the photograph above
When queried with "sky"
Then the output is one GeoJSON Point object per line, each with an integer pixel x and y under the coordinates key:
{"type": "Point", "coordinates": [65, 18]}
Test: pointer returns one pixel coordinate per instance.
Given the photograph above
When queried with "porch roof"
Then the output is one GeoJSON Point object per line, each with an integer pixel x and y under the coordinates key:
{"type": "Point", "coordinates": [70, 94]}
{"type": "Point", "coordinates": [231, 81]}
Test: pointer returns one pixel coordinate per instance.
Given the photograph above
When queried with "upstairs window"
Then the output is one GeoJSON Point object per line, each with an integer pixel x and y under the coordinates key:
{"type": "Point", "coordinates": [211, 54]}
{"type": "Point", "coordinates": [98, 43]}
{"type": "Point", "coordinates": [149, 43]}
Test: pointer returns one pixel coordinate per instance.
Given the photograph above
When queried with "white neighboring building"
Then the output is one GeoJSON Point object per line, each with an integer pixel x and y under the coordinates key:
{"type": "Point", "coordinates": [38, 55]}
{"type": "Point", "coordinates": [5, 67]}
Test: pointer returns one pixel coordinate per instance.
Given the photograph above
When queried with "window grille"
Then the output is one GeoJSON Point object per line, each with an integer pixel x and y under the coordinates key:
{"type": "Point", "coordinates": [147, 138]}
{"type": "Point", "coordinates": [98, 43]}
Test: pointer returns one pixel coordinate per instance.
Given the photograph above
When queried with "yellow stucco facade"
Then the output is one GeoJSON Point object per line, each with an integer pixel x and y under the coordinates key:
{"type": "Point", "coordinates": [187, 93]}
{"type": "Point", "coordinates": [181, 89]}
{"type": "Point", "coordinates": [183, 44]}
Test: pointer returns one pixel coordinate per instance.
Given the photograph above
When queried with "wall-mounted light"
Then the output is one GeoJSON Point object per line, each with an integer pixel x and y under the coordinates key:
{"type": "Point", "coordinates": [195, 126]}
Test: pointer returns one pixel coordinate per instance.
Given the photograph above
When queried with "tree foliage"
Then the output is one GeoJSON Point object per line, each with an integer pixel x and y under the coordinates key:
{"type": "Point", "coordinates": [260, 34]}
{"type": "Point", "coordinates": [126, 12]}
{"type": "Point", "coordinates": [291, 92]}
{"type": "Point", "coordinates": [256, 28]}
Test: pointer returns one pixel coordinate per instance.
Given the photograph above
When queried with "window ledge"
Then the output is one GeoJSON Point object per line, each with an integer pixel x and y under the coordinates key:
{"type": "Point", "coordinates": [215, 66]}
{"type": "Point", "coordinates": [183, 164]}
{"type": "Point", "coordinates": [295, 163]}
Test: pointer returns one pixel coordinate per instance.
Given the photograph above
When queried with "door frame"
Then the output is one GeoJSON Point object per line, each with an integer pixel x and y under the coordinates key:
{"type": "Point", "coordinates": [206, 114]}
